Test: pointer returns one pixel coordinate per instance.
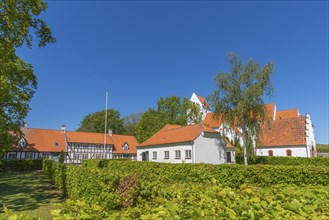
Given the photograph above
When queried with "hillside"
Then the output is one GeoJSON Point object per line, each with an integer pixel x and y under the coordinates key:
{"type": "Point", "coordinates": [324, 148]}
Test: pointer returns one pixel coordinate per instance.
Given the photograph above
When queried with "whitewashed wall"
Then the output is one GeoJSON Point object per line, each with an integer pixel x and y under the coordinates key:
{"type": "Point", "coordinates": [310, 137]}
{"type": "Point", "coordinates": [296, 151]}
{"type": "Point", "coordinates": [194, 98]}
{"type": "Point", "coordinates": [209, 148]}
{"type": "Point", "coordinates": [160, 149]}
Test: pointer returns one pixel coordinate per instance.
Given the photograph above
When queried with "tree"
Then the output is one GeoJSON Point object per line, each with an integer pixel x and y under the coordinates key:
{"type": "Point", "coordinates": [130, 123]}
{"type": "Point", "coordinates": [96, 122]}
{"type": "Point", "coordinates": [171, 110]}
{"type": "Point", "coordinates": [17, 80]}
{"type": "Point", "coordinates": [149, 124]}
{"type": "Point", "coordinates": [239, 95]}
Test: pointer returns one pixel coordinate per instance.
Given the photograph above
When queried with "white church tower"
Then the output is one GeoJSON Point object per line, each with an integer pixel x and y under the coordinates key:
{"type": "Point", "coordinates": [202, 103]}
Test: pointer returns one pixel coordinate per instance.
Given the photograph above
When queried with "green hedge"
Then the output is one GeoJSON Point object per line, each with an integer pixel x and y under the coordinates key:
{"type": "Point", "coordinates": [20, 165]}
{"type": "Point", "coordinates": [232, 175]}
{"type": "Point", "coordinates": [133, 190]}
{"type": "Point", "coordinates": [293, 161]}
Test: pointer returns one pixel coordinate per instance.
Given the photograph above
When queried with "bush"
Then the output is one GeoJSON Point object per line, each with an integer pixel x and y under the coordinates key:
{"type": "Point", "coordinates": [293, 161]}
{"type": "Point", "coordinates": [20, 165]}
{"type": "Point", "coordinates": [134, 190]}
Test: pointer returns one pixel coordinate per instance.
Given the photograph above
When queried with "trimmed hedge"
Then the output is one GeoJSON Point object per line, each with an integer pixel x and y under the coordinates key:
{"type": "Point", "coordinates": [294, 161]}
{"type": "Point", "coordinates": [145, 187]}
{"type": "Point", "coordinates": [20, 165]}
{"type": "Point", "coordinates": [232, 175]}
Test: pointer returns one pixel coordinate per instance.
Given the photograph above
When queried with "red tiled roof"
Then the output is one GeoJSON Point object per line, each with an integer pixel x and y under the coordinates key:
{"type": "Point", "coordinates": [87, 137]}
{"type": "Point", "coordinates": [284, 114]}
{"type": "Point", "coordinates": [120, 140]}
{"type": "Point", "coordinates": [228, 144]}
{"type": "Point", "coordinates": [43, 140]}
{"type": "Point", "coordinates": [285, 132]}
{"type": "Point", "coordinates": [173, 134]}
{"type": "Point", "coordinates": [211, 121]}
{"type": "Point", "coordinates": [270, 108]}
{"type": "Point", "coordinates": [203, 102]}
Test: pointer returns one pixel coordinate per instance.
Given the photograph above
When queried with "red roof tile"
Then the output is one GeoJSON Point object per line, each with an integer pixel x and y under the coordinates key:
{"type": "Point", "coordinates": [291, 113]}
{"type": "Point", "coordinates": [285, 132]}
{"type": "Point", "coordinates": [88, 137]}
{"type": "Point", "coordinates": [120, 140]}
{"type": "Point", "coordinates": [43, 140]}
{"type": "Point", "coordinates": [211, 121]}
{"type": "Point", "coordinates": [174, 134]}
{"type": "Point", "coordinates": [203, 102]}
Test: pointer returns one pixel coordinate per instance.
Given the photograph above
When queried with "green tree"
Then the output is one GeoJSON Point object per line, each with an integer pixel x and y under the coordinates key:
{"type": "Point", "coordinates": [130, 123]}
{"type": "Point", "coordinates": [96, 122]}
{"type": "Point", "coordinates": [17, 80]}
{"type": "Point", "coordinates": [149, 124]}
{"type": "Point", "coordinates": [171, 110]}
{"type": "Point", "coordinates": [239, 95]}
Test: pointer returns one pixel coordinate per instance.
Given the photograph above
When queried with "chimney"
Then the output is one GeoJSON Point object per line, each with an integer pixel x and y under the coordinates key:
{"type": "Point", "coordinates": [110, 132]}
{"type": "Point", "coordinates": [63, 129]}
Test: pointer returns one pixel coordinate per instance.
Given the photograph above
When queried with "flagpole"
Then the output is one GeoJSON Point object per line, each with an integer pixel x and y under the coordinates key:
{"type": "Point", "coordinates": [105, 124]}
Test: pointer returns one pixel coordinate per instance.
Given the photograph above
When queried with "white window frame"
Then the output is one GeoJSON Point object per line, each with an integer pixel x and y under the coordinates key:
{"type": "Point", "coordinates": [12, 155]}
{"type": "Point", "coordinates": [84, 156]}
{"type": "Point", "coordinates": [155, 155]}
{"type": "Point", "coordinates": [166, 155]}
{"type": "Point", "coordinates": [29, 155]}
{"type": "Point", "coordinates": [188, 154]}
{"type": "Point", "coordinates": [178, 154]}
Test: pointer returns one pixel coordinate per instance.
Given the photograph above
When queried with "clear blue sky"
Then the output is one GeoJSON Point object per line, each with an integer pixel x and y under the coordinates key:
{"type": "Point", "coordinates": [139, 51]}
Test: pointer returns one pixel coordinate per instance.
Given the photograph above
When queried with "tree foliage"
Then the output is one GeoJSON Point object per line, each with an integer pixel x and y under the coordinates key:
{"type": "Point", "coordinates": [96, 122]}
{"type": "Point", "coordinates": [238, 97]}
{"type": "Point", "coordinates": [130, 123]}
{"type": "Point", "coordinates": [171, 110]}
{"type": "Point", "coordinates": [17, 80]}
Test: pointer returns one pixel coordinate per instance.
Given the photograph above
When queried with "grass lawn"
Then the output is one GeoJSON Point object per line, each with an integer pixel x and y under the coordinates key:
{"type": "Point", "coordinates": [28, 192]}
{"type": "Point", "coordinates": [322, 148]}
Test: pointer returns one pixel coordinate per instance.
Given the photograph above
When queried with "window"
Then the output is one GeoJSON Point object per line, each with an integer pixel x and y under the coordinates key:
{"type": "Point", "coordinates": [84, 156]}
{"type": "Point", "coordinates": [125, 147]}
{"type": "Point", "coordinates": [76, 157]}
{"type": "Point", "coordinates": [177, 154]}
{"type": "Point", "coordinates": [11, 155]}
{"type": "Point", "coordinates": [289, 154]}
{"type": "Point", "coordinates": [270, 153]}
{"type": "Point", "coordinates": [97, 156]}
{"type": "Point", "coordinates": [228, 157]}
{"type": "Point", "coordinates": [166, 155]}
{"type": "Point", "coordinates": [155, 155]}
{"type": "Point", "coordinates": [29, 155]}
{"type": "Point", "coordinates": [188, 154]}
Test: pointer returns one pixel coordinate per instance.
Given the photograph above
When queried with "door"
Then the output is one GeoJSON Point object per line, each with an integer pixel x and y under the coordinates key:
{"type": "Point", "coordinates": [145, 156]}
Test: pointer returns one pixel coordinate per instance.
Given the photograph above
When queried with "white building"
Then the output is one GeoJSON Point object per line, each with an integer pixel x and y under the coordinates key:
{"type": "Point", "coordinates": [202, 103]}
{"type": "Point", "coordinates": [186, 144]}
{"type": "Point", "coordinates": [289, 133]}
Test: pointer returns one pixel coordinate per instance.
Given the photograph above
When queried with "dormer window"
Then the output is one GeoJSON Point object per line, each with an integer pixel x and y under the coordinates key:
{"type": "Point", "coordinates": [22, 143]}
{"type": "Point", "coordinates": [125, 146]}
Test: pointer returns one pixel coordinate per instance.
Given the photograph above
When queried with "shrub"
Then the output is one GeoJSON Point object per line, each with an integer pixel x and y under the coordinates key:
{"type": "Point", "coordinates": [293, 161]}
{"type": "Point", "coordinates": [20, 165]}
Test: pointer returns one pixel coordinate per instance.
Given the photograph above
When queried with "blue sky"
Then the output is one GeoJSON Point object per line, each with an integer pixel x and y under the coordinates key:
{"type": "Point", "coordinates": [139, 51]}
